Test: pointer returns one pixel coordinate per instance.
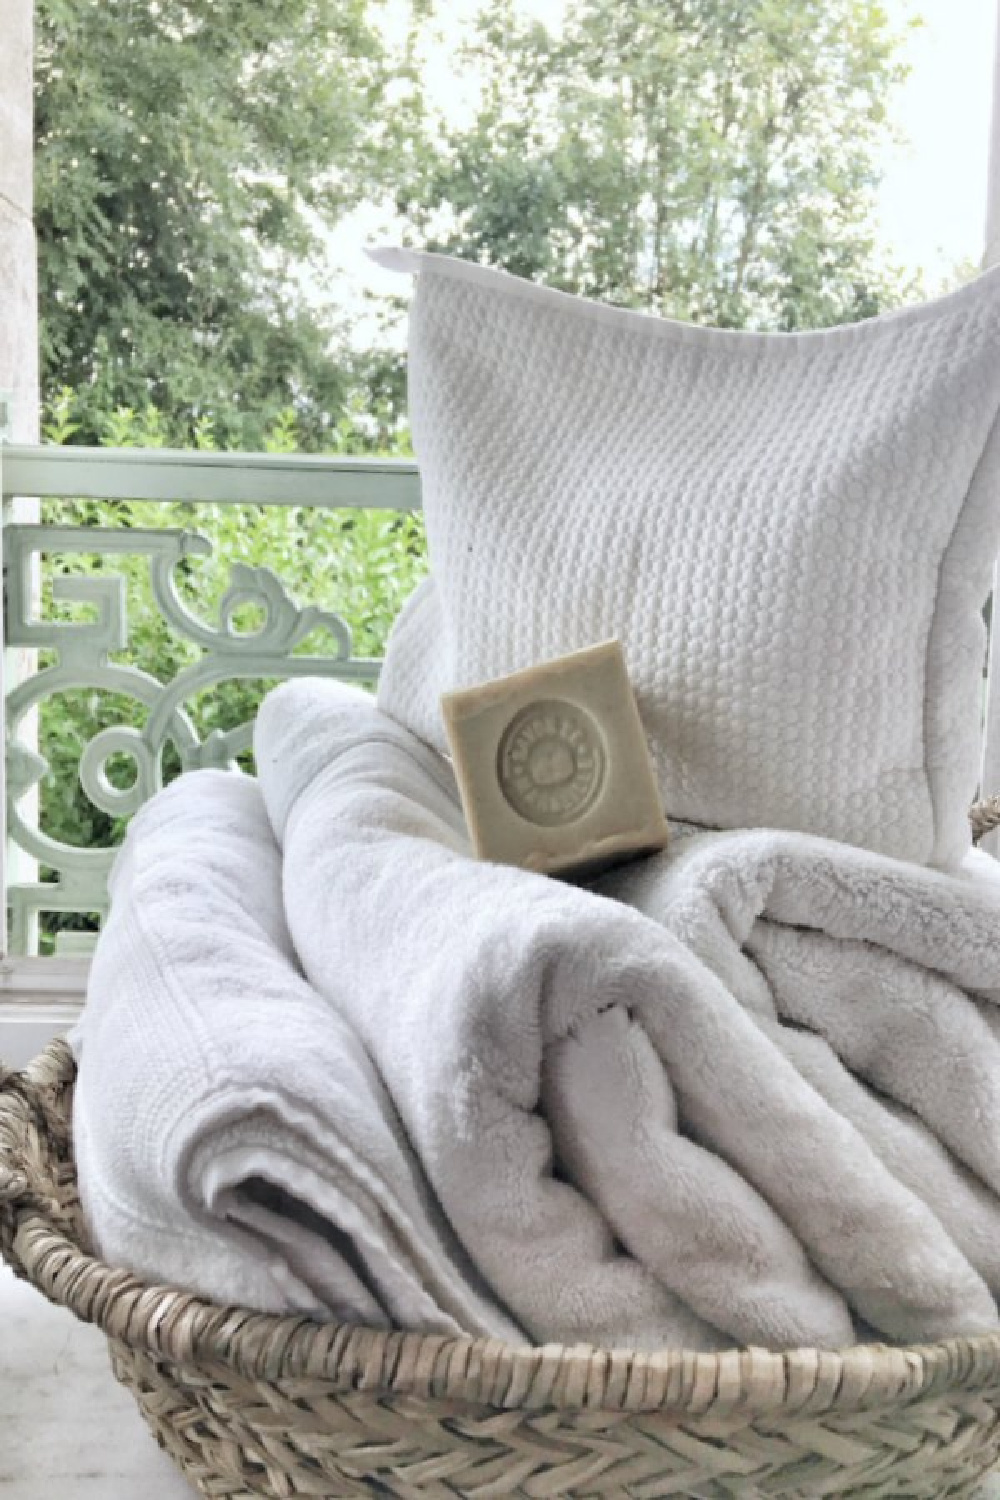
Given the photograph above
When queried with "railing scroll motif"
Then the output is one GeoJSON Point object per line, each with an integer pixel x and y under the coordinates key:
{"type": "Point", "coordinates": [285, 640]}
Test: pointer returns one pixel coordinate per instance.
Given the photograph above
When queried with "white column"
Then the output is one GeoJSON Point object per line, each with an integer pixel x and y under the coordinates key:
{"type": "Point", "coordinates": [18, 310]}
{"type": "Point", "coordinates": [18, 280]}
{"type": "Point", "coordinates": [990, 773]}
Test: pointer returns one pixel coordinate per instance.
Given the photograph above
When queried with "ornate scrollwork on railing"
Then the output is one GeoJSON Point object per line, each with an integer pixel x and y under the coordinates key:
{"type": "Point", "coordinates": [84, 650]}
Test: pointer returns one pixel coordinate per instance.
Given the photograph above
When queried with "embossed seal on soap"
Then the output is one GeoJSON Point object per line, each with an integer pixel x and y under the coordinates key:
{"type": "Point", "coordinates": [551, 762]}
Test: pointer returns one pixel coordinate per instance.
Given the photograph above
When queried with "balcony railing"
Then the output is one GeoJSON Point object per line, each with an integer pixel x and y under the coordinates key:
{"type": "Point", "coordinates": [74, 636]}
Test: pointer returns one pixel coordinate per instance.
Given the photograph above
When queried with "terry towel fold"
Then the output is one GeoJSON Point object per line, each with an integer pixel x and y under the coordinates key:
{"type": "Point", "coordinates": [710, 1102]}
{"type": "Point", "coordinates": [231, 1135]}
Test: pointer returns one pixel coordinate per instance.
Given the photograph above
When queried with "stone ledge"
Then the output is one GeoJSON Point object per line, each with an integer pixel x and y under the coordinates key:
{"type": "Point", "coordinates": [70, 1432]}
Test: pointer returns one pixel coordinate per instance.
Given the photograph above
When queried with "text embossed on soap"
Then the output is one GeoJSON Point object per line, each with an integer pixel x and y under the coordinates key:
{"type": "Point", "coordinates": [551, 762]}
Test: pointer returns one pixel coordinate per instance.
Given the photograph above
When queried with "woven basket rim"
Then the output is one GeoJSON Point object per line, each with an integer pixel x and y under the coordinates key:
{"type": "Point", "coordinates": [177, 1327]}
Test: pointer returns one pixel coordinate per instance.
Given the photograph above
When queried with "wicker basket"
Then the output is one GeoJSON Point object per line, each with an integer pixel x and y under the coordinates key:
{"type": "Point", "coordinates": [252, 1406]}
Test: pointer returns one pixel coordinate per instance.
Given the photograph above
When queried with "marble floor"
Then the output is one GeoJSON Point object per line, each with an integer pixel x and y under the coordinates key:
{"type": "Point", "coordinates": [68, 1431]}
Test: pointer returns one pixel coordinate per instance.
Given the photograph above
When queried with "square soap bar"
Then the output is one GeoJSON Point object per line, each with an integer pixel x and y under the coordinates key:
{"type": "Point", "coordinates": [553, 766]}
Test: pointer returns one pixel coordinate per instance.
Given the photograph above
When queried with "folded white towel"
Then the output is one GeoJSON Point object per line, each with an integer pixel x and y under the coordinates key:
{"type": "Point", "coordinates": [741, 1092]}
{"type": "Point", "coordinates": [878, 979]}
{"type": "Point", "coordinates": [231, 1135]}
{"type": "Point", "coordinates": [546, 1047]}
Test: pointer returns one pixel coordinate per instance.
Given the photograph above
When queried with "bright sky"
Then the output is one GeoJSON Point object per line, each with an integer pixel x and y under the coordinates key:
{"type": "Point", "coordinates": [932, 205]}
{"type": "Point", "coordinates": [933, 201]}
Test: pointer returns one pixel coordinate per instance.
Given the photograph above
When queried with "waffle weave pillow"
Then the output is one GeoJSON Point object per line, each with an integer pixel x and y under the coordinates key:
{"type": "Point", "coordinates": [792, 535]}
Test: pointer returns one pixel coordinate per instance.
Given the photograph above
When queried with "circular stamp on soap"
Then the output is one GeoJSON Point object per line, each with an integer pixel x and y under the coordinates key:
{"type": "Point", "coordinates": [551, 762]}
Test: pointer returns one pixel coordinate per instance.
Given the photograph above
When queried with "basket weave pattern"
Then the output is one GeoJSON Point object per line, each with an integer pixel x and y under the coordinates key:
{"type": "Point", "coordinates": [256, 1406]}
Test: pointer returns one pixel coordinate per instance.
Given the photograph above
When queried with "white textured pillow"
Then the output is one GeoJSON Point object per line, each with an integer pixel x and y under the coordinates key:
{"type": "Point", "coordinates": [792, 534]}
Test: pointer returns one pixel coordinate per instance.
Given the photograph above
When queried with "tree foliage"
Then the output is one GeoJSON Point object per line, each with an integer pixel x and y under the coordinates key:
{"type": "Point", "coordinates": [708, 159]}
{"type": "Point", "coordinates": [711, 159]}
{"type": "Point", "coordinates": [189, 155]}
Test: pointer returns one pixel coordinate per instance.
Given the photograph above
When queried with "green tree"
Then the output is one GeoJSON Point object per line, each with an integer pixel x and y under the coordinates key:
{"type": "Point", "coordinates": [360, 563]}
{"type": "Point", "coordinates": [189, 155]}
{"type": "Point", "coordinates": [709, 159]}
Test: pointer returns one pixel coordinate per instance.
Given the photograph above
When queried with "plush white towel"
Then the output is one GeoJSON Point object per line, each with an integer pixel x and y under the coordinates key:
{"type": "Point", "coordinates": [740, 1093]}
{"type": "Point", "coordinates": [600, 1098]}
{"type": "Point", "coordinates": [878, 979]}
{"type": "Point", "coordinates": [231, 1135]}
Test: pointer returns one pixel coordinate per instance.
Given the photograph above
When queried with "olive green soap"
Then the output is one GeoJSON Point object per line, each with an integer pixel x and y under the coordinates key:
{"type": "Point", "coordinates": [553, 766]}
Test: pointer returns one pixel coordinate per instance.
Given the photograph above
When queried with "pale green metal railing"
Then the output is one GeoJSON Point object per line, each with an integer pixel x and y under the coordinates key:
{"type": "Point", "coordinates": [84, 648]}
